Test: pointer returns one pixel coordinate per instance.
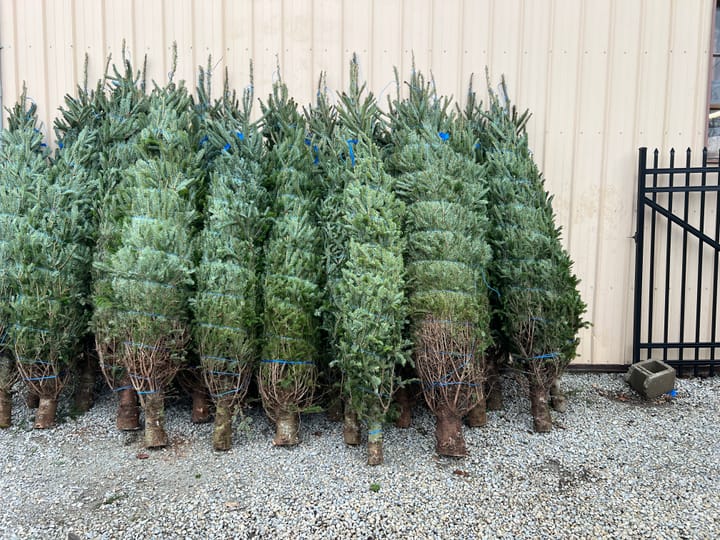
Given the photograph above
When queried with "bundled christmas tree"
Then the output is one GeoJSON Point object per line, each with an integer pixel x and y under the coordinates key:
{"type": "Point", "coordinates": [116, 112]}
{"type": "Point", "coordinates": [48, 257]}
{"type": "Point", "coordinates": [363, 225]}
{"type": "Point", "coordinates": [540, 306]}
{"type": "Point", "coordinates": [446, 255]}
{"type": "Point", "coordinates": [226, 303]}
{"type": "Point", "coordinates": [293, 270]}
{"type": "Point", "coordinates": [150, 272]}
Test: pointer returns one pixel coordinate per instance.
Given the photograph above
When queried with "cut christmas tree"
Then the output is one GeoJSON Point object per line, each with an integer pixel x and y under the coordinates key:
{"type": "Point", "coordinates": [226, 303]}
{"type": "Point", "coordinates": [293, 270]}
{"type": "Point", "coordinates": [366, 276]}
{"type": "Point", "coordinates": [446, 255]}
{"type": "Point", "coordinates": [540, 306]}
{"type": "Point", "coordinates": [151, 270]}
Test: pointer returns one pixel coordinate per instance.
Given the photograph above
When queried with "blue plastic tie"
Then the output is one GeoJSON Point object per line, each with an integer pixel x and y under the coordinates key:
{"type": "Point", "coordinates": [45, 378]}
{"type": "Point", "coordinates": [240, 135]}
{"type": "Point", "coordinates": [287, 362]}
{"type": "Point", "coordinates": [350, 143]}
{"type": "Point", "coordinates": [444, 135]}
{"type": "Point", "coordinates": [61, 145]}
{"type": "Point", "coordinates": [375, 432]}
{"type": "Point", "coordinates": [226, 147]}
{"type": "Point", "coordinates": [121, 388]}
{"type": "Point", "coordinates": [146, 392]}
{"type": "Point", "coordinates": [488, 285]}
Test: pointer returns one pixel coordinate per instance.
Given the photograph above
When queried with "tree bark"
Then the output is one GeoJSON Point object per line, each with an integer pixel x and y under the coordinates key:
{"type": "Point", "coordinates": [493, 385]}
{"type": "Point", "coordinates": [287, 429]}
{"type": "Point", "coordinates": [45, 415]}
{"type": "Point", "coordinates": [375, 444]}
{"type": "Point", "coordinates": [222, 428]}
{"type": "Point", "coordinates": [85, 390]}
{"type": "Point", "coordinates": [558, 400]}
{"type": "Point", "coordinates": [404, 401]}
{"type": "Point", "coordinates": [155, 436]}
{"type": "Point", "coordinates": [449, 435]}
{"type": "Point", "coordinates": [351, 427]}
{"type": "Point", "coordinates": [542, 421]}
{"type": "Point", "coordinates": [200, 406]}
{"type": "Point", "coordinates": [32, 400]}
{"type": "Point", "coordinates": [5, 409]}
{"type": "Point", "coordinates": [128, 414]}
{"type": "Point", "coordinates": [477, 417]}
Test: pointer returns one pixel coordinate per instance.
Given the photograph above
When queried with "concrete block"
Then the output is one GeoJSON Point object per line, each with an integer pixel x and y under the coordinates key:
{"type": "Point", "coordinates": [651, 378]}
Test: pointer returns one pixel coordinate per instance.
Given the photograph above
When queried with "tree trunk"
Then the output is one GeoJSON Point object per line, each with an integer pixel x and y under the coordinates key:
{"type": "Point", "coordinates": [222, 428]}
{"type": "Point", "coordinates": [155, 436]}
{"type": "Point", "coordinates": [558, 401]}
{"type": "Point", "coordinates": [5, 409]}
{"type": "Point", "coordinates": [351, 427]}
{"type": "Point", "coordinates": [32, 400]}
{"type": "Point", "coordinates": [375, 444]}
{"type": "Point", "coordinates": [45, 415]}
{"type": "Point", "coordinates": [493, 386]}
{"type": "Point", "coordinates": [335, 410]}
{"type": "Point", "coordinates": [477, 417]}
{"type": "Point", "coordinates": [85, 390]}
{"type": "Point", "coordinates": [128, 414]}
{"type": "Point", "coordinates": [542, 422]}
{"type": "Point", "coordinates": [404, 401]}
{"type": "Point", "coordinates": [449, 435]}
{"type": "Point", "coordinates": [287, 429]}
{"type": "Point", "coordinates": [200, 405]}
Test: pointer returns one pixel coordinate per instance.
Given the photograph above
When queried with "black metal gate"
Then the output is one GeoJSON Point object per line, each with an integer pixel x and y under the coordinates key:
{"type": "Point", "coordinates": [676, 264]}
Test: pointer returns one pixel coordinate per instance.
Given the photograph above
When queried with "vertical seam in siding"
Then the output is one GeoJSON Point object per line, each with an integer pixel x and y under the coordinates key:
{"type": "Point", "coordinates": [548, 82]}
{"type": "Point", "coordinates": [46, 92]}
{"type": "Point", "coordinates": [576, 121]}
{"type": "Point", "coordinates": [73, 33]}
{"type": "Point", "coordinates": [668, 75]}
{"type": "Point", "coordinates": [520, 46]}
{"type": "Point", "coordinates": [461, 52]}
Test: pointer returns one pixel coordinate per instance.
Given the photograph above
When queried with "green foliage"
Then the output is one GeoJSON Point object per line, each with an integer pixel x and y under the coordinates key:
{"type": "Point", "coordinates": [540, 309]}
{"type": "Point", "coordinates": [46, 238]}
{"type": "Point", "coordinates": [292, 257]}
{"type": "Point", "coordinates": [226, 302]}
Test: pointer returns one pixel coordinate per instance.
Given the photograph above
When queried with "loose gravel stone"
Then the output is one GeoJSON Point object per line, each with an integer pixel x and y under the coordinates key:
{"type": "Point", "coordinates": [614, 467]}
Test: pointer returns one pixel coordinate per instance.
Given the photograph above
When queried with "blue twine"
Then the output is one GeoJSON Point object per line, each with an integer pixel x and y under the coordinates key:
{"type": "Point", "coordinates": [375, 432]}
{"type": "Point", "coordinates": [488, 285]}
{"type": "Point", "coordinates": [444, 135]}
{"type": "Point", "coordinates": [228, 392]}
{"type": "Point", "coordinates": [223, 295]}
{"type": "Point", "coordinates": [204, 140]}
{"type": "Point", "coordinates": [26, 360]}
{"type": "Point", "coordinates": [145, 314]}
{"type": "Point", "coordinates": [283, 338]}
{"type": "Point", "coordinates": [226, 147]}
{"type": "Point", "coordinates": [139, 377]}
{"type": "Point", "coordinates": [121, 388]}
{"type": "Point", "coordinates": [146, 392]}
{"type": "Point", "coordinates": [45, 378]}
{"type": "Point", "coordinates": [462, 293]}
{"type": "Point", "coordinates": [545, 356]}
{"type": "Point", "coordinates": [477, 145]}
{"type": "Point", "coordinates": [287, 362]}
{"type": "Point", "coordinates": [530, 289]}
{"type": "Point", "coordinates": [43, 144]}
{"type": "Point", "coordinates": [232, 373]}
{"type": "Point", "coordinates": [240, 135]}
{"type": "Point", "coordinates": [350, 142]}
{"type": "Point", "coordinates": [32, 329]}
{"type": "Point", "coordinates": [61, 145]}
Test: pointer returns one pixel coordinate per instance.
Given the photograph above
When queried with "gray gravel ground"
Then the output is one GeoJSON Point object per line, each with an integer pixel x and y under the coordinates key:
{"type": "Point", "coordinates": [614, 467]}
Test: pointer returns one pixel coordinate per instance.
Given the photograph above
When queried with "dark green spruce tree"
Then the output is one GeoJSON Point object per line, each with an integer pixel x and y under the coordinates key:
{"type": "Point", "coordinates": [49, 261]}
{"type": "Point", "coordinates": [150, 271]}
{"type": "Point", "coordinates": [445, 257]}
{"type": "Point", "coordinates": [366, 279]}
{"type": "Point", "coordinates": [540, 310]}
{"type": "Point", "coordinates": [226, 304]}
{"type": "Point", "coordinates": [293, 270]}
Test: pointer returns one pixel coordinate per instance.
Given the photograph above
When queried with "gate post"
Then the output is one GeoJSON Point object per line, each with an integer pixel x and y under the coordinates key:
{"type": "Point", "coordinates": [639, 237]}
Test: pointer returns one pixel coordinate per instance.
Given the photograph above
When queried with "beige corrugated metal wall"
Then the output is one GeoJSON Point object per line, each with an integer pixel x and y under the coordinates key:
{"type": "Point", "coordinates": [601, 77]}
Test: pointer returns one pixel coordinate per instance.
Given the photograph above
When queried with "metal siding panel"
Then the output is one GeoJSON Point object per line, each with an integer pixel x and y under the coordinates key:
{"type": "Point", "coordinates": [267, 19]}
{"type": "Point", "coordinates": [179, 28]}
{"type": "Point", "coordinates": [612, 317]}
{"type": "Point", "coordinates": [417, 31]}
{"type": "Point", "coordinates": [327, 39]}
{"type": "Point", "coordinates": [60, 74]}
{"type": "Point", "coordinates": [357, 37]}
{"type": "Point", "coordinates": [445, 46]}
{"type": "Point", "coordinates": [387, 43]}
{"type": "Point", "coordinates": [476, 28]}
{"type": "Point", "coordinates": [297, 49]}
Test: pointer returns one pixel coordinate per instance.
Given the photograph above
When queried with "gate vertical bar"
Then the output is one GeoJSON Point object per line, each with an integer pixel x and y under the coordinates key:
{"type": "Point", "coordinates": [639, 233]}
{"type": "Point", "coordinates": [701, 245]}
{"type": "Point", "coordinates": [668, 250]}
{"type": "Point", "coordinates": [683, 268]}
